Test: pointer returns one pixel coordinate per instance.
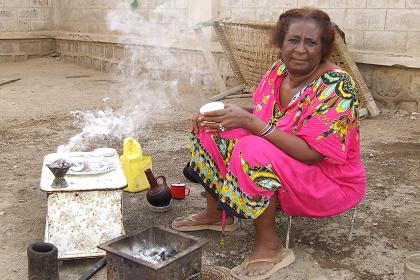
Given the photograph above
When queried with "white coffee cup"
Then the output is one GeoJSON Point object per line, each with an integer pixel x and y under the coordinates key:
{"type": "Point", "coordinates": [78, 164]}
{"type": "Point", "coordinates": [96, 163]}
{"type": "Point", "coordinates": [212, 106]}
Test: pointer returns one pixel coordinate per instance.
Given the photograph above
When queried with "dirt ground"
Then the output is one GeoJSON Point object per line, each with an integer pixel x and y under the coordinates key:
{"type": "Point", "coordinates": [35, 119]}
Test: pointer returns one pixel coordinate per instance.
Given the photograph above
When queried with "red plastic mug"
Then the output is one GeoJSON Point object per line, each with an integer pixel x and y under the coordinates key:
{"type": "Point", "coordinates": [179, 191]}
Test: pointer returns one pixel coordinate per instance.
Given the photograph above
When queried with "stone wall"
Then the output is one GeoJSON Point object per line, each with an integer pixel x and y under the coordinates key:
{"type": "Point", "coordinates": [113, 57]}
{"type": "Point", "coordinates": [100, 56]}
{"type": "Point", "coordinates": [90, 16]}
{"type": "Point", "coordinates": [377, 25]}
{"type": "Point", "coordinates": [393, 86]}
{"type": "Point", "coordinates": [23, 49]}
{"type": "Point", "coordinates": [26, 15]}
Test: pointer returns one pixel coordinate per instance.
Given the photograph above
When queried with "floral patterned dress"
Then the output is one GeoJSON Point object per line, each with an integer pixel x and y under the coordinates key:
{"type": "Point", "coordinates": [243, 171]}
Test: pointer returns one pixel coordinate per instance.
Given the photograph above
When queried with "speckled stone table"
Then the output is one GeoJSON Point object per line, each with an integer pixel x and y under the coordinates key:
{"type": "Point", "coordinates": [86, 213]}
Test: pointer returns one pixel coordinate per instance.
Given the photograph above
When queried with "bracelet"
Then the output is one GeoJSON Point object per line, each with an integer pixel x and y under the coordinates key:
{"type": "Point", "coordinates": [269, 128]}
{"type": "Point", "coordinates": [272, 128]}
{"type": "Point", "coordinates": [265, 129]}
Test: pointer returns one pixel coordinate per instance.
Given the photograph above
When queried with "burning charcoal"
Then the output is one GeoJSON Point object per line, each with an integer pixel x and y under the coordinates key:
{"type": "Point", "coordinates": [59, 163]}
{"type": "Point", "coordinates": [156, 255]}
{"type": "Point", "coordinates": [171, 252]}
{"type": "Point", "coordinates": [153, 253]}
{"type": "Point", "coordinates": [168, 253]}
{"type": "Point", "coordinates": [59, 168]}
{"type": "Point", "coordinates": [162, 255]}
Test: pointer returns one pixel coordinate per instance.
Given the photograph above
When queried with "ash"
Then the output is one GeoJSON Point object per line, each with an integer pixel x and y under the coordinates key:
{"type": "Point", "coordinates": [155, 255]}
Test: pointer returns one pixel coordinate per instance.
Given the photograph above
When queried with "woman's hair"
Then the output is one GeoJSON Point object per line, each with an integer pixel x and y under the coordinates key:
{"type": "Point", "coordinates": [320, 17]}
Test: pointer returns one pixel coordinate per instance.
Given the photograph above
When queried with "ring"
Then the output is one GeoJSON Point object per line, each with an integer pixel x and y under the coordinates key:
{"type": "Point", "coordinates": [221, 127]}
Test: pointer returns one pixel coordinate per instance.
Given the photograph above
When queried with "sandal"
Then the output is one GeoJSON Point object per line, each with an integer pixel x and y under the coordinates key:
{"type": "Point", "coordinates": [199, 225]}
{"type": "Point", "coordinates": [284, 258]}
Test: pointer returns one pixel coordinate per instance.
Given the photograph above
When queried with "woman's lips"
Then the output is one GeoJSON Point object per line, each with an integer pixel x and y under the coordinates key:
{"type": "Point", "coordinates": [298, 60]}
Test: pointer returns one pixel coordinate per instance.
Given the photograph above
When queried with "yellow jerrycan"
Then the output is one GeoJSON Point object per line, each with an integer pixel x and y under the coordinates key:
{"type": "Point", "coordinates": [133, 164]}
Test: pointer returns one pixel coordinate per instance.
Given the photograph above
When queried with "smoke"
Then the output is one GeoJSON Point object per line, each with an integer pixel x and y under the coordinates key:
{"type": "Point", "coordinates": [145, 72]}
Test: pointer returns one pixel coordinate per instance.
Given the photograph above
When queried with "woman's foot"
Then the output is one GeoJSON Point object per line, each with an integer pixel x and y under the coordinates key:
{"type": "Point", "coordinates": [260, 252]}
{"type": "Point", "coordinates": [268, 255]}
{"type": "Point", "coordinates": [263, 267]}
{"type": "Point", "coordinates": [202, 221]}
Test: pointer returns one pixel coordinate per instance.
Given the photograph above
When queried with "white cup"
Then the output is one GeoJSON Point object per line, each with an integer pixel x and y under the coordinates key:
{"type": "Point", "coordinates": [212, 106]}
{"type": "Point", "coordinates": [96, 163]}
{"type": "Point", "coordinates": [78, 164]}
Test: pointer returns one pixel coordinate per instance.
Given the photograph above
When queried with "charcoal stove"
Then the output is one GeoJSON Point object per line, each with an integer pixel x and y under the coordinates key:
{"type": "Point", "coordinates": [124, 261]}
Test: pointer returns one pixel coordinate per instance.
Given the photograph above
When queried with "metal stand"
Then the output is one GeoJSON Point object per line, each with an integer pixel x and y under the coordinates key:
{"type": "Point", "coordinates": [288, 232]}
{"type": "Point", "coordinates": [349, 238]}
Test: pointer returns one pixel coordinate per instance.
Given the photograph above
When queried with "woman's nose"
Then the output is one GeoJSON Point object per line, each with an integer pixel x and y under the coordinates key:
{"type": "Point", "coordinates": [300, 47]}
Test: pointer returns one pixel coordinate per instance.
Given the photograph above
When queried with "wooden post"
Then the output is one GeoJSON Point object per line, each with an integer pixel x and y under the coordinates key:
{"type": "Point", "coordinates": [220, 84]}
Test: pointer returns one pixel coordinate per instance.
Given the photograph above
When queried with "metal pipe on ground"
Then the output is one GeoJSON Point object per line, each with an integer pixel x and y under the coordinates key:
{"type": "Point", "coordinates": [91, 272]}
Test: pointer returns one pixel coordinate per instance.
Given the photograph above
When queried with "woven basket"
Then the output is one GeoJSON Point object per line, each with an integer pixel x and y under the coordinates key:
{"type": "Point", "coordinates": [250, 55]}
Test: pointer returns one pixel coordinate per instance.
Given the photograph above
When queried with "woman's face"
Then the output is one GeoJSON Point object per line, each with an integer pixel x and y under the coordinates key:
{"type": "Point", "coordinates": [302, 47]}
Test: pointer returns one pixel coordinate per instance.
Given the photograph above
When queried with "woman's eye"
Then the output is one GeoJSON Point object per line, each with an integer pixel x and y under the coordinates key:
{"type": "Point", "coordinates": [293, 40]}
{"type": "Point", "coordinates": [311, 43]}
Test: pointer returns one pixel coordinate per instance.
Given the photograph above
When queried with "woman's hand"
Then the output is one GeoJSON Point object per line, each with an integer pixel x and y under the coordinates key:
{"type": "Point", "coordinates": [196, 124]}
{"type": "Point", "coordinates": [230, 117]}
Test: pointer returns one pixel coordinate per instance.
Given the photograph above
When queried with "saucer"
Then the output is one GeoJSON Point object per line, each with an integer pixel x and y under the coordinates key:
{"type": "Point", "coordinates": [162, 209]}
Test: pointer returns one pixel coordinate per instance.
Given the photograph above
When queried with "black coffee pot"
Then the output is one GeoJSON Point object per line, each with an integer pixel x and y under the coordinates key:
{"type": "Point", "coordinates": [159, 194]}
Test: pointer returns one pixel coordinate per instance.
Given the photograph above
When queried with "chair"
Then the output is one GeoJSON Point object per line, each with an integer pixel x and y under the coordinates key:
{"type": "Point", "coordinates": [248, 50]}
{"type": "Point", "coordinates": [350, 232]}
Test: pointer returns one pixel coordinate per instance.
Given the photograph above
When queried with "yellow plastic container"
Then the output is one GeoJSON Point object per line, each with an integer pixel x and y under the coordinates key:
{"type": "Point", "coordinates": [133, 164]}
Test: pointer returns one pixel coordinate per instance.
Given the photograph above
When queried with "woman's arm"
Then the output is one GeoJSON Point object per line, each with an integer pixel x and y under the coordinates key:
{"type": "Point", "coordinates": [292, 145]}
{"type": "Point", "coordinates": [248, 109]}
{"type": "Point", "coordinates": [236, 117]}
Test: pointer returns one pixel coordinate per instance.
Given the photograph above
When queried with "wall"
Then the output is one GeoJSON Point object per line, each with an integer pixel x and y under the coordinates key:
{"type": "Point", "coordinates": [26, 15]}
{"type": "Point", "coordinates": [81, 16]}
{"type": "Point", "coordinates": [377, 25]}
{"type": "Point", "coordinates": [380, 32]}
{"type": "Point", "coordinates": [90, 16]}
{"type": "Point", "coordinates": [23, 49]}
{"type": "Point", "coordinates": [111, 56]}
{"type": "Point", "coordinates": [393, 86]}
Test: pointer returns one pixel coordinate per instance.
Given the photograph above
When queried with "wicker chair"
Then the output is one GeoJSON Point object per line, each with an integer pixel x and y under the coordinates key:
{"type": "Point", "coordinates": [250, 54]}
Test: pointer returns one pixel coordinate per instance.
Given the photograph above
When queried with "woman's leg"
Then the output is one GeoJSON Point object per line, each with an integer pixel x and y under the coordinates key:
{"type": "Point", "coordinates": [209, 155]}
{"type": "Point", "coordinates": [211, 215]}
{"type": "Point", "coordinates": [267, 244]}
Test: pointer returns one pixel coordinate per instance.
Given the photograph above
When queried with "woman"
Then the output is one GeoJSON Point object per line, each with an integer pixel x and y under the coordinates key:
{"type": "Point", "coordinates": [298, 147]}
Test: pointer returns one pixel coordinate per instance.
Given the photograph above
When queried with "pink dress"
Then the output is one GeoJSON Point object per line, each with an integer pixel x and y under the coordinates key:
{"type": "Point", "coordinates": [243, 171]}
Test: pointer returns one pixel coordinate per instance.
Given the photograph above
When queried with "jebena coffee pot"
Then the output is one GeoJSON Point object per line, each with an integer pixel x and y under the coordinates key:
{"type": "Point", "coordinates": [159, 194]}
